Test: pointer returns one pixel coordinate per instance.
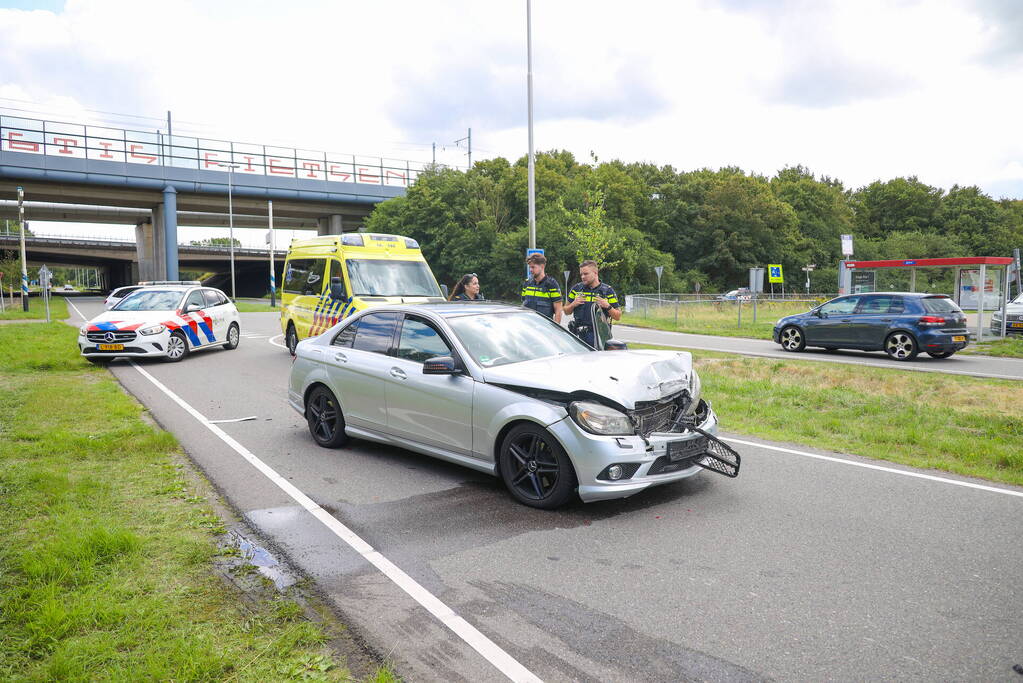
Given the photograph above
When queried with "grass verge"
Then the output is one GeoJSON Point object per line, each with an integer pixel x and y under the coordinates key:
{"type": "Point", "coordinates": [247, 307]}
{"type": "Point", "coordinates": [36, 309]}
{"type": "Point", "coordinates": [967, 425]}
{"type": "Point", "coordinates": [720, 319]}
{"type": "Point", "coordinates": [1011, 347]}
{"type": "Point", "coordinates": [106, 553]}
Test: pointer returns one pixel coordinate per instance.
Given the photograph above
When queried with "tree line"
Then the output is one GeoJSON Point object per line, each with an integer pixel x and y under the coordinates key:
{"type": "Point", "coordinates": [706, 227]}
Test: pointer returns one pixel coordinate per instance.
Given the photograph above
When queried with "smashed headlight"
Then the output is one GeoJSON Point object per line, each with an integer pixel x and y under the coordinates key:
{"type": "Point", "coordinates": [694, 392]}
{"type": "Point", "coordinates": [599, 419]}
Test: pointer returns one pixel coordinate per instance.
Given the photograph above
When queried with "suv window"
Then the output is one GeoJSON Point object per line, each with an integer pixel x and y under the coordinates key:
{"type": "Point", "coordinates": [376, 332]}
{"type": "Point", "coordinates": [420, 341]}
{"type": "Point", "coordinates": [195, 298]}
{"type": "Point", "coordinates": [346, 336]}
{"type": "Point", "coordinates": [939, 304]}
{"type": "Point", "coordinates": [843, 306]}
{"type": "Point", "coordinates": [304, 276]}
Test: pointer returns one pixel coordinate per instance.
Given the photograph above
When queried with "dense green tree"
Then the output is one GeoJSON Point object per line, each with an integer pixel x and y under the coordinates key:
{"type": "Point", "coordinates": [897, 205]}
{"type": "Point", "coordinates": [822, 209]}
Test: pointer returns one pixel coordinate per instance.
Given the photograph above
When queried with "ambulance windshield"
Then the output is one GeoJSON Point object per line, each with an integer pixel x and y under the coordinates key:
{"type": "Point", "coordinates": [379, 277]}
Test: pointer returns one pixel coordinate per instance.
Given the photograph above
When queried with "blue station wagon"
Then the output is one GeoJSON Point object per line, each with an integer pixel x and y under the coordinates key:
{"type": "Point", "coordinates": [902, 324]}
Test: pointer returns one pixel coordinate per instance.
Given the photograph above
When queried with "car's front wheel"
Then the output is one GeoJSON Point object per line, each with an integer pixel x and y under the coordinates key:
{"type": "Point", "coordinates": [901, 346]}
{"type": "Point", "coordinates": [792, 339]}
{"type": "Point", "coordinates": [325, 419]}
{"type": "Point", "coordinates": [233, 337]}
{"type": "Point", "coordinates": [177, 347]}
{"type": "Point", "coordinates": [535, 468]}
{"type": "Point", "coordinates": [291, 339]}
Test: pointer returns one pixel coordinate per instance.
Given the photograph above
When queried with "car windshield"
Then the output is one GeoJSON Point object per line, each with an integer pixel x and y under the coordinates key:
{"type": "Point", "coordinates": [494, 339]}
{"type": "Point", "coordinates": [940, 304]}
{"type": "Point", "coordinates": [379, 277]}
{"type": "Point", "coordinates": [150, 300]}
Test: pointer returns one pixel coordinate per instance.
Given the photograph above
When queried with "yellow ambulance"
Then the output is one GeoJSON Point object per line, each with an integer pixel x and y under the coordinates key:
{"type": "Point", "coordinates": [328, 278]}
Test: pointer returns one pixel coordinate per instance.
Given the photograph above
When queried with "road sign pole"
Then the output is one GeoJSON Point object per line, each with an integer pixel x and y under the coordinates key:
{"type": "Point", "coordinates": [24, 261]}
{"type": "Point", "coordinates": [270, 239]}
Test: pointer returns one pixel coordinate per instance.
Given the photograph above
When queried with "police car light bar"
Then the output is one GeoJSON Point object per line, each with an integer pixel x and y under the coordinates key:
{"type": "Point", "coordinates": [169, 282]}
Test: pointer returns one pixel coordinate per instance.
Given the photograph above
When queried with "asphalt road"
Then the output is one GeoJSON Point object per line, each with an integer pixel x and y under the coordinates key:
{"type": "Point", "coordinates": [959, 364]}
{"type": "Point", "coordinates": [801, 569]}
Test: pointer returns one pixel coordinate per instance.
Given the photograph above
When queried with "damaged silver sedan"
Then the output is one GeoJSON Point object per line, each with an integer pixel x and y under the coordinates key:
{"type": "Point", "coordinates": [506, 391]}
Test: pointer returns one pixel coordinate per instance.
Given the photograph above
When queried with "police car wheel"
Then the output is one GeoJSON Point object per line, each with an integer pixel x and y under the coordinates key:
{"type": "Point", "coordinates": [233, 337]}
{"type": "Point", "coordinates": [291, 339]}
{"type": "Point", "coordinates": [535, 468]}
{"type": "Point", "coordinates": [325, 419]}
{"type": "Point", "coordinates": [177, 347]}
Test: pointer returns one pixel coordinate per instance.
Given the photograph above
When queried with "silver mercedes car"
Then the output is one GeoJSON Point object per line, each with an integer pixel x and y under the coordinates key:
{"type": "Point", "coordinates": [504, 390]}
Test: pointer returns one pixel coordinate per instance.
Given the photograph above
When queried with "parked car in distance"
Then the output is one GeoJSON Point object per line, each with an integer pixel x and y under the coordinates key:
{"type": "Point", "coordinates": [68, 288]}
{"type": "Point", "coordinates": [506, 391]}
{"type": "Point", "coordinates": [1013, 317]}
{"type": "Point", "coordinates": [902, 324]}
{"type": "Point", "coordinates": [741, 294]}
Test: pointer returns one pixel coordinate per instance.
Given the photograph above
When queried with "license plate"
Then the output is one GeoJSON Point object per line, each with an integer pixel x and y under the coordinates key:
{"type": "Point", "coordinates": [678, 450]}
{"type": "Point", "coordinates": [959, 338]}
{"type": "Point", "coordinates": [1015, 324]}
{"type": "Point", "coordinates": [111, 347]}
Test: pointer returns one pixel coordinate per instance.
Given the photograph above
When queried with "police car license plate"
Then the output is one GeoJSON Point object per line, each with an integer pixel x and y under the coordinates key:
{"type": "Point", "coordinates": [959, 338]}
{"type": "Point", "coordinates": [111, 347]}
{"type": "Point", "coordinates": [677, 450]}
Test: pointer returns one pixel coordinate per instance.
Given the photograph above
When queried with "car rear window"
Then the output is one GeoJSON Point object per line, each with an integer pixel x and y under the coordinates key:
{"type": "Point", "coordinates": [376, 332]}
{"type": "Point", "coordinates": [939, 304]}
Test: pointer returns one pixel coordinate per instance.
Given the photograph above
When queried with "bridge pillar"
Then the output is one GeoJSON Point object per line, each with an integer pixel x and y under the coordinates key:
{"type": "Point", "coordinates": [170, 230]}
{"type": "Point", "coordinates": [149, 246]}
{"type": "Point", "coordinates": [329, 225]}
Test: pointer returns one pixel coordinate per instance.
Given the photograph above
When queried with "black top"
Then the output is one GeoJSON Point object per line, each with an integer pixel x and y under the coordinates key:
{"type": "Point", "coordinates": [589, 296]}
{"type": "Point", "coordinates": [541, 296]}
{"type": "Point", "coordinates": [465, 297]}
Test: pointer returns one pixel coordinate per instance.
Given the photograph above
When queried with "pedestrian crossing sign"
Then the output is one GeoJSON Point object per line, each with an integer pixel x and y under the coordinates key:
{"type": "Point", "coordinates": [774, 273]}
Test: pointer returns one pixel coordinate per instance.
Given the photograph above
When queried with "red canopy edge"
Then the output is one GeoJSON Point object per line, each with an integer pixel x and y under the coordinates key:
{"type": "Point", "coordinates": [921, 262]}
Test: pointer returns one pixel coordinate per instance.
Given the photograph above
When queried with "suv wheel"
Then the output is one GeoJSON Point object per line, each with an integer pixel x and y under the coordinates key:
{"type": "Point", "coordinates": [291, 339]}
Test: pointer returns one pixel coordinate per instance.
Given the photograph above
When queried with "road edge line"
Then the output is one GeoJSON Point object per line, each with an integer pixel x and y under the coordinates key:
{"type": "Point", "coordinates": [472, 636]}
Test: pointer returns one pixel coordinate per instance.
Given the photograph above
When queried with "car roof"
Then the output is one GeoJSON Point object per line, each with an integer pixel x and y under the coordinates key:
{"type": "Point", "coordinates": [450, 309]}
{"type": "Point", "coordinates": [918, 295]}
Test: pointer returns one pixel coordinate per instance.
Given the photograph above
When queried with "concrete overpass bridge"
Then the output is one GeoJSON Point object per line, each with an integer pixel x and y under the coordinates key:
{"type": "Point", "coordinates": [84, 173]}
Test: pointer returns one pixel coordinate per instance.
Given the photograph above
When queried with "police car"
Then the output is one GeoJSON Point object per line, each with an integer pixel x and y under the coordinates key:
{"type": "Point", "coordinates": [162, 320]}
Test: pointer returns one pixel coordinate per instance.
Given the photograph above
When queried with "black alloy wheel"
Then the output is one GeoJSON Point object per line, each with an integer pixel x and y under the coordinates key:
{"type": "Point", "coordinates": [234, 336]}
{"type": "Point", "coordinates": [901, 346]}
{"type": "Point", "coordinates": [177, 347]}
{"type": "Point", "coordinates": [326, 423]}
{"type": "Point", "coordinates": [535, 468]}
{"type": "Point", "coordinates": [792, 339]}
{"type": "Point", "coordinates": [940, 354]}
{"type": "Point", "coordinates": [291, 339]}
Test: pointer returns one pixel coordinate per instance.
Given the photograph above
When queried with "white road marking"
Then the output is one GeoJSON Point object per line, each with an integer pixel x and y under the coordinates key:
{"type": "Point", "coordinates": [237, 419]}
{"type": "Point", "coordinates": [280, 336]}
{"type": "Point", "coordinates": [891, 470]}
{"type": "Point", "coordinates": [77, 311]}
{"type": "Point", "coordinates": [490, 651]}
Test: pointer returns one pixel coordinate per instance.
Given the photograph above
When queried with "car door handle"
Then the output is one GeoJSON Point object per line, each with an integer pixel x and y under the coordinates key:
{"type": "Point", "coordinates": [340, 358]}
{"type": "Point", "coordinates": [398, 373]}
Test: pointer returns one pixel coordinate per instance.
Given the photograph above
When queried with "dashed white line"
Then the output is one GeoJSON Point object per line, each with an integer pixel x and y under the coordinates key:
{"type": "Point", "coordinates": [490, 651]}
{"type": "Point", "coordinates": [866, 465]}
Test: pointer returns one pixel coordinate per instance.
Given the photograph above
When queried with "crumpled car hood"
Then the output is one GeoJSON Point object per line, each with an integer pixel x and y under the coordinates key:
{"type": "Point", "coordinates": [625, 377]}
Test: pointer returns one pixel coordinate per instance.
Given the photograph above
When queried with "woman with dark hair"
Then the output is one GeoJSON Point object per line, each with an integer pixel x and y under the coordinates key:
{"type": "Point", "coordinates": [467, 289]}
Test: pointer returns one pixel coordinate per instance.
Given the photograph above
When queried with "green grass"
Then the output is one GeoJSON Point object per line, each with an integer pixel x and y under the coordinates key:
{"type": "Point", "coordinates": [247, 307]}
{"type": "Point", "coordinates": [967, 425]}
{"type": "Point", "coordinates": [106, 550]}
{"type": "Point", "coordinates": [36, 309]}
{"type": "Point", "coordinates": [720, 319]}
{"type": "Point", "coordinates": [1010, 347]}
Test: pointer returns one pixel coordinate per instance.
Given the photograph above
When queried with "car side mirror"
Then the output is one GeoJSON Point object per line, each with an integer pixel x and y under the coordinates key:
{"type": "Point", "coordinates": [191, 308]}
{"type": "Point", "coordinates": [444, 290]}
{"type": "Point", "coordinates": [615, 345]}
{"type": "Point", "coordinates": [441, 365]}
{"type": "Point", "coordinates": [337, 289]}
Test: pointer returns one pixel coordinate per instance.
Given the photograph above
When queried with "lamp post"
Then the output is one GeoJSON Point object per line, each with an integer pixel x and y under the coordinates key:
{"type": "Point", "coordinates": [230, 222]}
{"type": "Point", "coordinates": [531, 182]}
{"type": "Point", "coordinates": [24, 261]}
{"type": "Point", "coordinates": [270, 244]}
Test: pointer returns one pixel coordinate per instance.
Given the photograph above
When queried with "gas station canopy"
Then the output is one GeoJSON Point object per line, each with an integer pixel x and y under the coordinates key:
{"type": "Point", "coordinates": [932, 262]}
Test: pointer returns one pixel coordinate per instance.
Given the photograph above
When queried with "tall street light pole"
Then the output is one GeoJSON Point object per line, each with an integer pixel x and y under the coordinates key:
{"type": "Point", "coordinates": [529, 88]}
{"type": "Point", "coordinates": [230, 222]}
{"type": "Point", "coordinates": [24, 261]}
{"type": "Point", "coordinates": [270, 242]}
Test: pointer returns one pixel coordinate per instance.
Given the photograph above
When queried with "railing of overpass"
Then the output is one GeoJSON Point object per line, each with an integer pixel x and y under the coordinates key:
{"type": "Point", "coordinates": [155, 148]}
{"type": "Point", "coordinates": [83, 240]}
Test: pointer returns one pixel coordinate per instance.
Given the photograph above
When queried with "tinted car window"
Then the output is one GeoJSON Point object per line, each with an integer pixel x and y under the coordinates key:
{"type": "Point", "coordinates": [346, 336]}
{"type": "Point", "coordinates": [304, 276]}
{"type": "Point", "coordinates": [123, 291]}
{"type": "Point", "coordinates": [841, 306]}
{"type": "Point", "coordinates": [939, 304]}
{"type": "Point", "coordinates": [376, 332]}
{"type": "Point", "coordinates": [195, 299]}
{"type": "Point", "coordinates": [501, 338]}
{"type": "Point", "coordinates": [879, 305]}
{"type": "Point", "coordinates": [213, 297]}
{"type": "Point", "coordinates": [419, 342]}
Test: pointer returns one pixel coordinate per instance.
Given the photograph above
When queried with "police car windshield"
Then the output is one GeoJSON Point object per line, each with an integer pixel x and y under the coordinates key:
{"type": "Point", "coordinates": [501, 338]}
{"type": "Point", "coordinates": [378, 277]}
{"type": "Point", "coordinates": [150, 300]}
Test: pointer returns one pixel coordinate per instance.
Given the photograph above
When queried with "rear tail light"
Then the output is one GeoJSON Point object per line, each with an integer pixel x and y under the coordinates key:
{"type": "Point", "coordinates": [932, 320]}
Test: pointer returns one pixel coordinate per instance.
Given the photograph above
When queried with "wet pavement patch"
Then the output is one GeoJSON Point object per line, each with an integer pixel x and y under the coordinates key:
{"type": "Point", "coordinates": [242, 555]}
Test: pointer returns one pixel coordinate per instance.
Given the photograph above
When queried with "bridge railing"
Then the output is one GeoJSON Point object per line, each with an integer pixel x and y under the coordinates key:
{"type": "Point", "coordinates": [8, 235]}
{"type": "Point", "coordinates": [156, 148]}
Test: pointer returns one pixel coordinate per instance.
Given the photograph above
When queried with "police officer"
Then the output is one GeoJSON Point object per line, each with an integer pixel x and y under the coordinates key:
{"type": "Point", "coordinates": [588, 293]}
{"type": "Point", "coordinates": [540, 291]}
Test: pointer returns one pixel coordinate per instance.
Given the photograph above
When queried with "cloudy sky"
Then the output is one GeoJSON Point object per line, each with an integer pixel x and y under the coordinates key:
{"type": "Point", "coordinates": [859, 90]}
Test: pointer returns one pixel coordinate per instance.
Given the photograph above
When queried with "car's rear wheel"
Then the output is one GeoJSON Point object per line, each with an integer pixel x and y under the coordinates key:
{"type": "Point", "coordinates": [325, 419]}
{"type": "Point", "coordinates": [940, 354]}
{"type": "Point", "coordinates": [792, 339]}
{"type": "Point", "coordinates": [901, 346]}
{"type": "Point", "coordinates": [535, 468]}
{"type": "Point", "coordinates": [291, 339]}
{"type": "Point", "coordinates": [234, 336]}
{"type": "Point", "coordinates": [177, 347]}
